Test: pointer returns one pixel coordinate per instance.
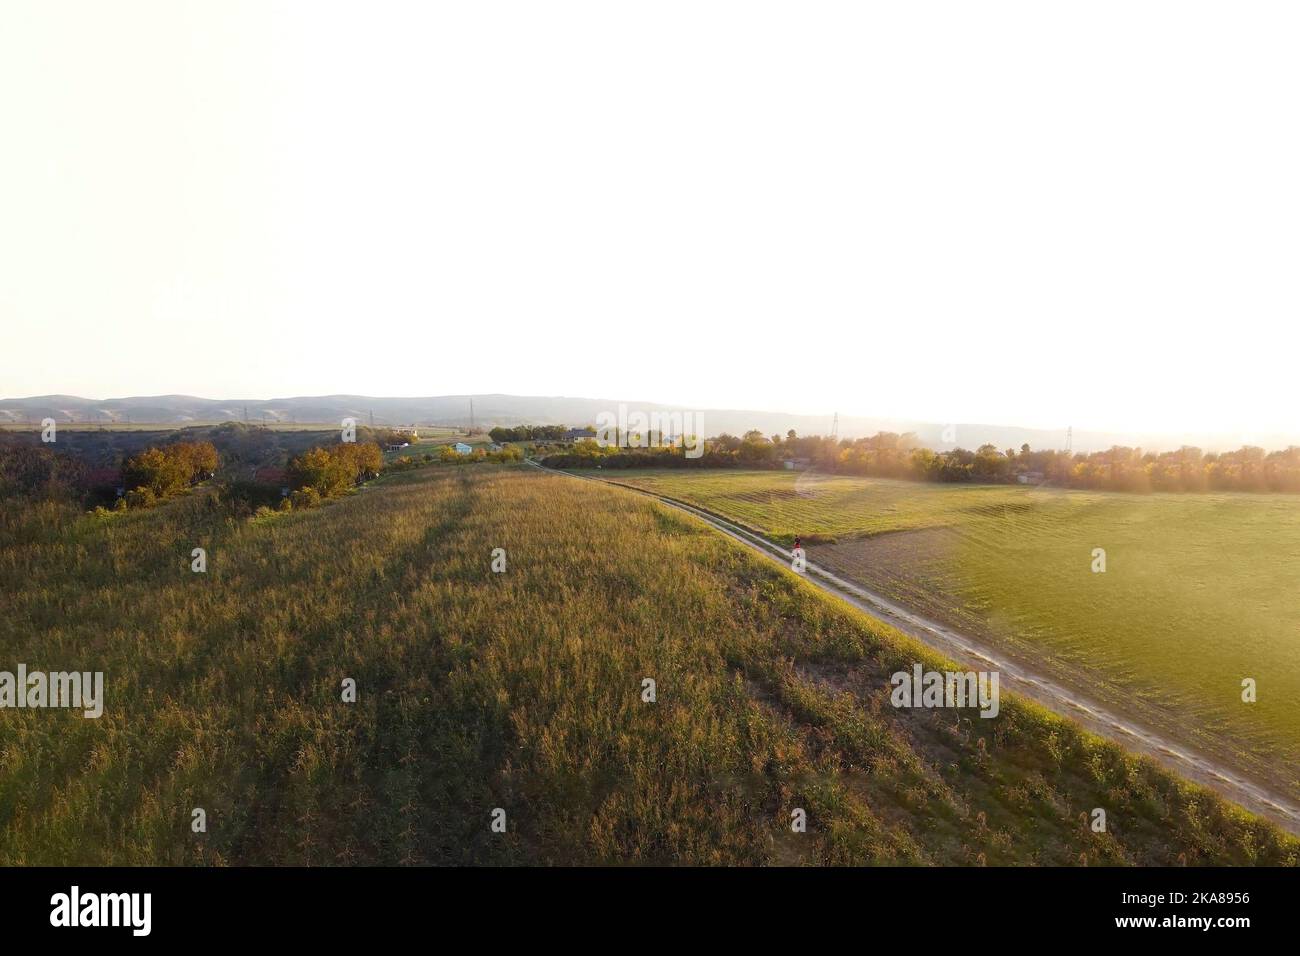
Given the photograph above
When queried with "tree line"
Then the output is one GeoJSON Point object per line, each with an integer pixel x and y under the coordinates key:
{"type": "Point", "coordinates": [502, 434]}
{"type": "Point", "coordinates": [161, 472]}
{"type": "Point", "coordinates": [902, 456]}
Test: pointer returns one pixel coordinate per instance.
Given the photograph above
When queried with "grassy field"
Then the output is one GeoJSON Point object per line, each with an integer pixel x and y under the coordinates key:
{"type": "Point", "coordinates": [783, 504]}
{"type": "Point", "coordinates": [1199, 592]}
{"type": "Point", "coordinates": [519, 690]}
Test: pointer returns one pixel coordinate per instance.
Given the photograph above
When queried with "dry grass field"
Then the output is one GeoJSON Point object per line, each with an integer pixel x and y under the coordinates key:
{"type": "Point", "coordinates": [519, 690]}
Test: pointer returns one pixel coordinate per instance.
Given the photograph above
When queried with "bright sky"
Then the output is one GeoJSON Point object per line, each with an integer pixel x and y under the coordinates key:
{"type": "Point", "coordinates": [1027, 213]}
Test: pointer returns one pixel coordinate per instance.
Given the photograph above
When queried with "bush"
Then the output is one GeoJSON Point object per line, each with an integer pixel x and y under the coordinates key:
{"type": "Point", "coordinates": [249, 495]}
{"type": "Point", "coordinates": [37, 472]}
{"type": "Point", "coordinates": [142, 497]}
{"type": "Point", "coordinates": [304, 498]}
{"type": "Point", "coordinates": [404, 463]}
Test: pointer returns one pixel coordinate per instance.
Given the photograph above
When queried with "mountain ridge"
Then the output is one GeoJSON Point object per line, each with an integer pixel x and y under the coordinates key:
{"type": "Point", "coordinates": [499, 408]}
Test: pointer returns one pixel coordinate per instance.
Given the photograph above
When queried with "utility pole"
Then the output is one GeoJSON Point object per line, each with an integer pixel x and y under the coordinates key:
{"type": "Point", "coordinates": [1069, 439]}
{"type": "Point", "coordinates": [471, 414]}
{"type": "Point", "coordinates": [835, 427]}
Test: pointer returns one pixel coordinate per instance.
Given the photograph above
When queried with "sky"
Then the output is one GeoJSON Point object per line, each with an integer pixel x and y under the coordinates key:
{"type": "Point", "coordinates": [1022, 213]}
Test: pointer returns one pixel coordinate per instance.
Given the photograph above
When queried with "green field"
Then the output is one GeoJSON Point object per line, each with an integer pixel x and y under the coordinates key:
{"type": "Point", "coordinates": [520, 690]}
{"type": "Point", "coordinates": [1199, 592]}
{"type": "Point", "coordinates": [783, 504]}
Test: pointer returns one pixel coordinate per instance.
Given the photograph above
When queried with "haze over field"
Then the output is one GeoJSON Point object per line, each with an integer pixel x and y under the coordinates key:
{"type": "Point", "coordinates": [508, 410]}
{"type": "Point", "coordinates": [892, 212]}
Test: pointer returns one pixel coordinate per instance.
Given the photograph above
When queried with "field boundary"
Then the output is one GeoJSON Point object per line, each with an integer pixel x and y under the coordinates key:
{"type": "Point", "coordinates": [1181, 760]}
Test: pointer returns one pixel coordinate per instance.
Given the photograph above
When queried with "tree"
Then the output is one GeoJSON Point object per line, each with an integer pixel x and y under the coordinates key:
{"type": "Point", "coordinates": [171, 469]}
{"type": "Point", "coordinates": [334, 469]}
{"type": "Point", "coordinates": [164, 473]}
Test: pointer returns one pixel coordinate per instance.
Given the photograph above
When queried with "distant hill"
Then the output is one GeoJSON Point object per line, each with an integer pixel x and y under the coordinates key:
{"type": "Point", "coordinates": [489, 410]}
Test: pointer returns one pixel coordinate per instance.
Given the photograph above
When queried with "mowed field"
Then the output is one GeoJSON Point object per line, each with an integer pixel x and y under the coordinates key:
{"type": "Point", "coordinates": [1199, 591]}
{"type": "Point", "coordinates": [523, 691]}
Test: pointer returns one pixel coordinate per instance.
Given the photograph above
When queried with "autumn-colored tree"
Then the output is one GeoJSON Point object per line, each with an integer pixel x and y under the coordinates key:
{"type": "Point", "coordinates": [200, 457]}
{"type": "Point", "coordinates": [169, 470]}
{"type": "Point", "coordinates": [161, 471]}
{"type": "Point", "coordinates": [333, 469]}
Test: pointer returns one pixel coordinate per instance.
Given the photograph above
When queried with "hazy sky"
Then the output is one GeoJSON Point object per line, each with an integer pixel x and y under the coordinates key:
{"type": "Point", "coordinates": [1032, 213]}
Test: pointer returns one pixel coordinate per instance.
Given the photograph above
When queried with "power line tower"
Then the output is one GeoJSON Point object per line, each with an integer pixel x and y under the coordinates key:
{"type": "Point", "coordinates": [471, 414]}
{"type": "Point", "coordinates": [835, 428]}
{"type": "Point", "coordinates": [372, 418]}
{"type": "Point", "coordinates": [1069, 439]}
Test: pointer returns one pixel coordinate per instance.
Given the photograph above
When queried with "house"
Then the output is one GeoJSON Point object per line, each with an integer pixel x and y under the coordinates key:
{"type": "Point", "coordinates": [579, 434]}
{"type": "Point", "coordinates": [793, 464]}
{"type": "Point", "coordinates": [397, 446]}
{"type": "Point", "coordinates": [495, 446]}
{"type": "Point", "coordinates": [462, 448]}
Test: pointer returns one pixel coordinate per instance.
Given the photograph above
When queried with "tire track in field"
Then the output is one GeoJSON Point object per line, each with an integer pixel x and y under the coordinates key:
{"type": "Point", "coordinates": [1183, 761]}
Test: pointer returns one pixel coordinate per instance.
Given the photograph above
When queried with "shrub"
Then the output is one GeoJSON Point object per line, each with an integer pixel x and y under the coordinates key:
{"type": "Point", "coordinates": [307, 497]}
{"type": "Point", "coordinates": [249, 495]}
{"type": "Point", "coordinates": [142, 497]}
{"type": "Point", "coordinates": [404, 463]}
